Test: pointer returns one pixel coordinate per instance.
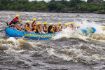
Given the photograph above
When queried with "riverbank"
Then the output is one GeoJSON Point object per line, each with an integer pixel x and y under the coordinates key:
{"type": "Point", "coordinates": [96, 12]}
{"type": "Point", "coordinates": [73, 6]}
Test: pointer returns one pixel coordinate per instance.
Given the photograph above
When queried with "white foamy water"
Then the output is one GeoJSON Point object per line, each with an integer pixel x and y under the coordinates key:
{"type": "Point", "coordinates": [68, 50]}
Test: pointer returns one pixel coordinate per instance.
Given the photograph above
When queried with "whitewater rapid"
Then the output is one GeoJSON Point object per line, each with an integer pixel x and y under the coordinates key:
{"type": "Point", "coordinates": [67, 50]}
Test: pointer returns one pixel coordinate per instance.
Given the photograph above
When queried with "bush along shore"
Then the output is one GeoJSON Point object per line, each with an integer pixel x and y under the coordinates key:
{"type": "Point", "coordinates": [72, 6]}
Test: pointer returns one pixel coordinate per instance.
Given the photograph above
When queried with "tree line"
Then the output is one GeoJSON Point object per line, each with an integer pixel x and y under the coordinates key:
{"type": "Point", "coordinates": [53, 6]}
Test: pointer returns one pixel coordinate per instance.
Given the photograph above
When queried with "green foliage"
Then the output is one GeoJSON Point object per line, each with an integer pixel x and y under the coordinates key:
{"type": "Point", "coordinates": [55, 6]}
{"type": "Point", "coordinates": [52, 6]}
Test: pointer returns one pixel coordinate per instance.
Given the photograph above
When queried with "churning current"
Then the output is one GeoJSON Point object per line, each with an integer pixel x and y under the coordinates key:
{"type": "Point", "coordinates": [65, 51]}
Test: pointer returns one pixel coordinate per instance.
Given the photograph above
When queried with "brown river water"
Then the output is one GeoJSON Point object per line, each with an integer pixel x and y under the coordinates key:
{"type": "Point", "coordinates": [62, 53]}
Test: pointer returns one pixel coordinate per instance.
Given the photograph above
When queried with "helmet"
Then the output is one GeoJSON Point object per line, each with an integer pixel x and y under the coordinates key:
{"type": "Point", "coordinates": [66, 24]}
{"type": "Point", "coordinates": [28, 21]}
{"type": "Point", "coordinates": [59, 23]}
{"type": "Point", "coordinates": [71, 23]}
{"type": "Point", "coordinates": [34, 19]}
{"type": "Point", "coordinates": [17, 15]}
{"type": "Point", "coordinates": [45, 23]}
{"type": "Point", "coordinates": [38, 23]}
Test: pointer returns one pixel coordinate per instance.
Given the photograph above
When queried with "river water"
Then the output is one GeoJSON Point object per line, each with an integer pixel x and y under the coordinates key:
{"type": "Point", "coordinates": [68, 51]}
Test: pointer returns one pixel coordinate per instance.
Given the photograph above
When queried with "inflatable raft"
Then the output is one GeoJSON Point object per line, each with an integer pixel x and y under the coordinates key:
{"type": "Point", "coordinates": [88, 30]}
{"type": "Point", "coordinates": [12, 32]}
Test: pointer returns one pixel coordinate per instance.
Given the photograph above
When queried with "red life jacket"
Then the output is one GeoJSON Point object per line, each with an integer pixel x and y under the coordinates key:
{"type": "Point", "coordinates": [14, 21]}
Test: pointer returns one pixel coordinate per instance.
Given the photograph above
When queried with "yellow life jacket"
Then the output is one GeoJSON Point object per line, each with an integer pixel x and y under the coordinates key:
{"type": "Point", "coordinates": [27, 28]}
{"type": "Point", "coordinates": [52, 30]}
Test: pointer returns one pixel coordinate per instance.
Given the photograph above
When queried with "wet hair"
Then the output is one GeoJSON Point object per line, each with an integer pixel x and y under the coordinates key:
{"type": "Point", "coordinates": [55, 28]}
{"type": "Point", "coordinates": [33, 23]}
{"type": "Point", "coordinates": [49, 29]}
{"type": "Point", "coordinates": [27, 24]}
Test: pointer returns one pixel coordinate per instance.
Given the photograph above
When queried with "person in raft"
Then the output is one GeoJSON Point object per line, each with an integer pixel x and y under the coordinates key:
{"type": "Point", "coordinates": [33, 22]}
{"type": "Point", "coordinates": [33, 25]}
{"type": "Point", "coordinates": [27, 26]}
{"type": "Point", "coordinates": [45, 27]}
{"type": "Point", "coordinates": [39, 27]}
{"type": "Point", "coordinates": [15, 20]}
{"type": "Point", "coordinates": [14, 23]}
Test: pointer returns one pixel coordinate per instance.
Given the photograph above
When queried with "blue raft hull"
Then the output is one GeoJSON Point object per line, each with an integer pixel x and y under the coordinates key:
{"type": "Point", "coordinates": [12, 32]}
